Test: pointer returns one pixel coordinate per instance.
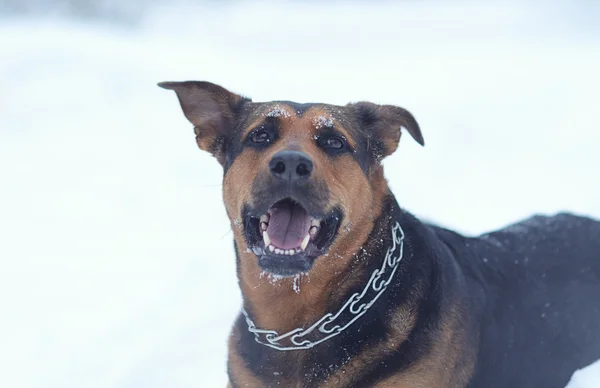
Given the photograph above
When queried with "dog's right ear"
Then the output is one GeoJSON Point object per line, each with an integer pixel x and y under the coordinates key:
{"type": "Point", "coordinates": [212, 110]}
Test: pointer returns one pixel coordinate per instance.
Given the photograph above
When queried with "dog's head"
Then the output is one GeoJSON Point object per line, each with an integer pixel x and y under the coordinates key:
{"type": "Point", "coordinates": [302, 182]}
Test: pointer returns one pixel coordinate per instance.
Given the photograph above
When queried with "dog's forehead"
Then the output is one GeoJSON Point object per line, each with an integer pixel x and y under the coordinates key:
{"type": "Point", "coordinates": [317, 116]}
{"type": "Point", "coordinates": [293, 110]}
{"type": "Point", "coordinates": [296, 109]}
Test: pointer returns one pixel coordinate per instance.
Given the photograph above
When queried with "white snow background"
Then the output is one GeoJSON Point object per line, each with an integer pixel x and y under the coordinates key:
{"type": "Point", "coordinates": [116, 260]}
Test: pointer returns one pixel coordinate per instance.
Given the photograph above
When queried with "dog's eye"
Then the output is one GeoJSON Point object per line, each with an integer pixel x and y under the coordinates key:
{"type": "Point", "coordinates": [260, 136]}
{"type": "Point", "coordinates": [335, 142]}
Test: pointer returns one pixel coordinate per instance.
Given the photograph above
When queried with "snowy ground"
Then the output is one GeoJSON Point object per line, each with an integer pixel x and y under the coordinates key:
{"type": "Point", "coordinates": [116, 257]}
{"type": "Point", "coordinates": [588, 377]}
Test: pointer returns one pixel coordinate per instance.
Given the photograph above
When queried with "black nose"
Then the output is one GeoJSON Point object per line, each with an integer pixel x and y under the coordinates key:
{"type": "Point", "coordinates": [291, 165]}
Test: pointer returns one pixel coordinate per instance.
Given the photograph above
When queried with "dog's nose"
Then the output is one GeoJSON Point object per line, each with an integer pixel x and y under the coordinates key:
{"type": "Point", "coordinates": [291, 165]}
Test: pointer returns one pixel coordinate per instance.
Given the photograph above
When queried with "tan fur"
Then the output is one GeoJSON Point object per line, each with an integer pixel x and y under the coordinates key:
{"type": "Point", "coordinates": [316, 114]}
{"type": "Point", "coordinates": [449, 364]}
{"type": "Point", "coordinates": [349, 188]}
{"type": "Point", "coordinates": [401, 326]}
{"type": "Point", "coordinates": [243, 377]}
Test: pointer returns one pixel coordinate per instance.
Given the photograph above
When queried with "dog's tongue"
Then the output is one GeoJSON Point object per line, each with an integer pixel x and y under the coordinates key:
{"type": "Point", "coordinates": [288, 225]}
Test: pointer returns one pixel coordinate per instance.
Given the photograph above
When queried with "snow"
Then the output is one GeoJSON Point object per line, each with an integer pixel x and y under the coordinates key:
{"type": "Point", "coordinates": [296, 284]}
{"type": "Point", "coordinates": [588, 377]}
{"type": "Point", "coordinates": [117, 268]}
{"type": "Point", "coordinates": [323, 121]}
{"type": "Point", "coordinates": [278, 111]}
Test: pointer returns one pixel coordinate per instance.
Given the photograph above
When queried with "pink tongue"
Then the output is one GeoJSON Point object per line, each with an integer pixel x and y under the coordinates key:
{"type": "Point", "coordinates": [288, 225]}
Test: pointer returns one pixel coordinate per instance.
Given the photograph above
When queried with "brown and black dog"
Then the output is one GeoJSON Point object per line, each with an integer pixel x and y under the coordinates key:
{"type": "Point", "coordinates": [343, 288]}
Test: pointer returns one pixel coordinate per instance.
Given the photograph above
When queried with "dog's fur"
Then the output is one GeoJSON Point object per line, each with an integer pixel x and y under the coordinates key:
{"type": "Point", "coordinates": [513, 308]}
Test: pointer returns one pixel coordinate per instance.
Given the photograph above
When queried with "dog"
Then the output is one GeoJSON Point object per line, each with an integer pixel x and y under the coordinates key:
{"type": "Point", "coordinates": [343, 288]}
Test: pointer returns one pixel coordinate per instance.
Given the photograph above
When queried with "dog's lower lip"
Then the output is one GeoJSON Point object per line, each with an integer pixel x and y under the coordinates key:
{"type": "Point", "coordinates": [298, 259]}
{"type": "Point", "coordinates": [284, 266]}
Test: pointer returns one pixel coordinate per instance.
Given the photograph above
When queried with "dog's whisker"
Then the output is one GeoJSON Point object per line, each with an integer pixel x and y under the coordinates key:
{"type": "Point", "coordinates": [226, 233]}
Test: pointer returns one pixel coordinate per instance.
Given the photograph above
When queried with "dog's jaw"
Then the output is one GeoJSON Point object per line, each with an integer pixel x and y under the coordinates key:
{"type": "Point", "coordinates": [287, 246]}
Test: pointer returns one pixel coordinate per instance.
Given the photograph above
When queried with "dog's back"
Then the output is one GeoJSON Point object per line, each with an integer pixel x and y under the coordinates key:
{"type": "Point", "coordinates": [542, 278]}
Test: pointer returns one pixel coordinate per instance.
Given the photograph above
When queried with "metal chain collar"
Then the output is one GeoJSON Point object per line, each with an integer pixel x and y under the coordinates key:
{"type": "Point", "coordinates": [327, 325]}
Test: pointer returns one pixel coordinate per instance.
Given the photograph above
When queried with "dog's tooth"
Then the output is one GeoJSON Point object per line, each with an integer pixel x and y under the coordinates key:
{"type": "Point", "coordinates": [286, 252]}
{"type": "Point", "coordinates": [277, 251]}
{"type": "Point", "coordinates": [271, 248]}
{"type": "Point", "coordinates": [264, 218]}
{"type": "Point", "coordinates": [263, 226]}
{"type": "Point", "coordinates": [291, 252]}
{"type": "Point", "coordinates": [313, 231]}
{"type": "Point", "coordinates": [315, 222]}
{"type": "Point", "coordinates": [305, 242]}
{"type": "Point", "coordinates": [266, 238]}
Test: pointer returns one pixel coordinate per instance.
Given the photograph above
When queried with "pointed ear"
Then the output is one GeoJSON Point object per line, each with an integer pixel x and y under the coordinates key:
{"type": "Point", "coordinates": [385, 122]}
{"type": "Point", "coordinates": [212, 110]}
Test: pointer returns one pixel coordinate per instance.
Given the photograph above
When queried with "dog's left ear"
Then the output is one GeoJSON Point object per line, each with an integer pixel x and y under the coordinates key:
{"type": "Point", "coordinates": [212, 110]}
{"type": "Point", "coordinates": [385, 122]}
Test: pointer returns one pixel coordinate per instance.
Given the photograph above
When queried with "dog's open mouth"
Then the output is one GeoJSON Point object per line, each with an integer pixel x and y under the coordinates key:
{"type": "Point", "coordinates": [287, 239]}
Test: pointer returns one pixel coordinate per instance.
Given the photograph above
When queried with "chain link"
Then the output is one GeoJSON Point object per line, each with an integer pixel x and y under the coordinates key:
{"type": "Point", "coordinates": [328, 326]}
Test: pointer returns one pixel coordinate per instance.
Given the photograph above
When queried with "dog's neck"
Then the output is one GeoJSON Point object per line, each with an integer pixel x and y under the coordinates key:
{"type": "Point", "coordinates": [335, 323]}
{"type": "Point", "coordinates": [284, 304]}
{"type": "Point", "coordinates": [288, 309]}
